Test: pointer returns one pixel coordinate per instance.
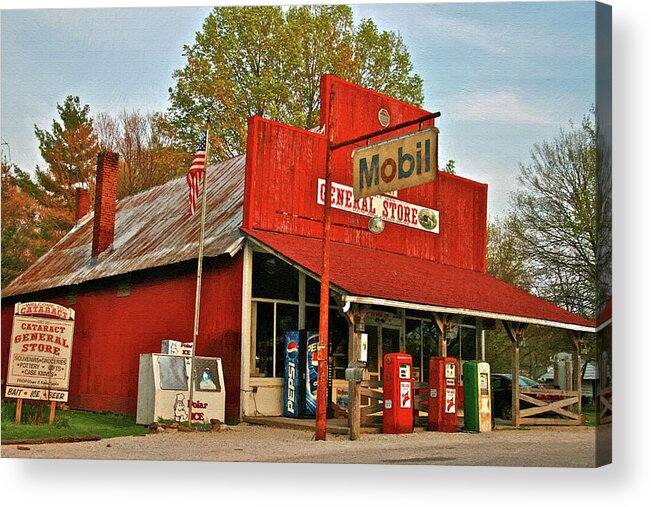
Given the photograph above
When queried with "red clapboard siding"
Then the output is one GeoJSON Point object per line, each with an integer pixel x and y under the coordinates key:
{"type": "Point", "coordinates": [284, 163]}
{"type": "Point", "coordinates": [111, 332]}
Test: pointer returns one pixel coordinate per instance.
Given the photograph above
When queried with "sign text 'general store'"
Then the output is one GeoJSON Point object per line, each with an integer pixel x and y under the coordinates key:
{"type": "Point", "coordinates": [385, 207]}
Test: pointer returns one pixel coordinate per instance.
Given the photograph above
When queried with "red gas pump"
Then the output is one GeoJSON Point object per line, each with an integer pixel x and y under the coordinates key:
{"type": "Point", "coordinates": [443, 383]}
{"type": "Point", "coordinates": [398, 415]}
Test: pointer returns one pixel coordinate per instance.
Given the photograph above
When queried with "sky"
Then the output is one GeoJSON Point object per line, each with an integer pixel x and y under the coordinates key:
{"type": "Point", "coordinates": [503, 75]}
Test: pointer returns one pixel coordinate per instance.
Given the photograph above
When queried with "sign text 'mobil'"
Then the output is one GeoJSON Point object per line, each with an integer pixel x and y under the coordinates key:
{"type": "Point", "coordinates": [400, 162]}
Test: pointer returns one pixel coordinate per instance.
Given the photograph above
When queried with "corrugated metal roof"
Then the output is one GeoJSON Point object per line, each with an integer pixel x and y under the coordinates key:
{"type": "Point", "coordinates": [590, 372]}
{"type": "Point", "coordinates": [152, 228]}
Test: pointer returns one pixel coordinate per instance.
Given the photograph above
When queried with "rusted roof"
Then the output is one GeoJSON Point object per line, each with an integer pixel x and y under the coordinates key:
{"type": "Point", "coordinates": [152, 228]}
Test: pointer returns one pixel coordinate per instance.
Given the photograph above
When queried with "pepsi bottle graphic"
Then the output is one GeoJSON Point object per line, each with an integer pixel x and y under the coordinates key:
{"type": "Point", "coordinates": [292, 405]}
{"type": "Point", "coordinates": [312, 343]}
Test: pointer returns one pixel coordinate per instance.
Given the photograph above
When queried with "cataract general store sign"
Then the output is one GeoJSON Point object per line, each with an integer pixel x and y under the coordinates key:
{"type": "Point", "coordinates": [40, 353]}
{"type": "Point", "coordinates": [385, 207]}
{"type": "Point", "coordinates": [400, 162]}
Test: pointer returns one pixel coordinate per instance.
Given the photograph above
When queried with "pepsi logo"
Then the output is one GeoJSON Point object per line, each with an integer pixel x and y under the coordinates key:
{"type": "Point", "coordinates": [292, 347]}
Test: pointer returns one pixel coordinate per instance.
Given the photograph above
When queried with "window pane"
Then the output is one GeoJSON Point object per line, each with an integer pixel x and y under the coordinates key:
{"type": "Point", "coordinates": [468, 349]}
{"type": "Point", "coordinates": [264, 339]}
{"type": "Point", "coordinates": [206, 375]}
{"type": "Point", "coordinates": [454, 344]}
{"type": "Point", "coordinates": [312, 318]}
{"type": "Point", "coordinates": [430, 346]}
{"type": "Point", "coordinates": [337, 336]}
{"type": "Point", "coordinates": [173, 375]}
{"type": "Point", "coordinates": [338, 339]}
{"type": "Point", "coordinates": [274, 278]}
{"type": "Point", "coordinates": [312, 290]}
{"type": "Point", "coordinates": [413, 340]}
{"type": "Point", "coordinates": [390, 341]}
{"type": "Point", "coordinates": [286, 320]}
{"type": "Point", "coordinates": [372, 363]}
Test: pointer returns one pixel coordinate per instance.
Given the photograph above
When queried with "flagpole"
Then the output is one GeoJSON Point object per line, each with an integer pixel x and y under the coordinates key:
{"type": "Point", "coordinates": [197, 299]}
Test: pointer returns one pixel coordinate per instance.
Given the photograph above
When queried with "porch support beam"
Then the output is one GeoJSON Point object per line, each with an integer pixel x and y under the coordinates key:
{"type": "Point", "coordinates": [444, 323]}
{"type": "Point", "coordinates": [515, 330]}
{"type": "Point", "coordinates": [356, 317]}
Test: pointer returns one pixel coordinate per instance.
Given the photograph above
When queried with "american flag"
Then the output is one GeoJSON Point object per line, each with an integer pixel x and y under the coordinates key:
{"type": "Point", "coordinates": [195, 173]}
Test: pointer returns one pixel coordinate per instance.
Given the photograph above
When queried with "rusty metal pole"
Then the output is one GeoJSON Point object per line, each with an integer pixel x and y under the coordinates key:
{"type": "Point", "coordinates": [322, 379]}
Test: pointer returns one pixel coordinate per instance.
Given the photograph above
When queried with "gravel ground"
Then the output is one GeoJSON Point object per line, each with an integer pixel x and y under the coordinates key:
{"type": "Point", "coordinates": [548, 447]}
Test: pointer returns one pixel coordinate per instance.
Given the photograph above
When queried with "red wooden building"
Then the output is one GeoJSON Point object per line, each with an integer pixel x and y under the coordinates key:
{"type": "Point", "coordinates": [128, 269]}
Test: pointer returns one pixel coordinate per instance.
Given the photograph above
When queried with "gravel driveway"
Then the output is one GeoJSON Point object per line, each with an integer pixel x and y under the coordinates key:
{"type": "Point", "coordinates": [549, 447]}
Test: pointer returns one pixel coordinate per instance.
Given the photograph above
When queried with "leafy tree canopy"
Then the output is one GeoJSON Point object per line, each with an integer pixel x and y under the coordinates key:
{"type": "Point", "coordinates": [267, 61]}
{"type": "Point", "coordinates": [555, 218]}
{"type": "Point", "coordinates": [145, 145]}
{"type": "Point", "coordinates": [70, 150]}
{"type": "Point", "coordinates": [25, 232]}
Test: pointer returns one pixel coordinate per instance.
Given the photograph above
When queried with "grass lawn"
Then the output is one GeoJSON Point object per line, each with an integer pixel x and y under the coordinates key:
{"type": "Point", "coordinates": [590, 414]}
{"type": "Point", "coordinates": [68, 423]}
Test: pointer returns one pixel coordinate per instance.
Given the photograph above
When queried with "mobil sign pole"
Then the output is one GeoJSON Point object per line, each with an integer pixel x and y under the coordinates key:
{"type": "Point", "coordinates": [409, 169]}
{"type": "Point", "coordinates": [324, 300]}
{"type": "Point", "coordinates": [40, 354]}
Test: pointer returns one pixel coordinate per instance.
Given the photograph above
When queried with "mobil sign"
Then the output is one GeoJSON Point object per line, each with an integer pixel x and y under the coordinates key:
{"type": "Point", "coordinates": [400, 162]}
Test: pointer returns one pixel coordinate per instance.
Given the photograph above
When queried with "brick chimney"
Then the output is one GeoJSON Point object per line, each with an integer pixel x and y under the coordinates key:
{"type": "Point", "coordinates": [83, 203]}
{"type": "Point", "coordinates": [106, 185]}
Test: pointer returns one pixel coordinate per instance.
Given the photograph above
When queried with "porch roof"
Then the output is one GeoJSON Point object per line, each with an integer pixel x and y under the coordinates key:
{"type": "Point", "coordinates": [376, 277]}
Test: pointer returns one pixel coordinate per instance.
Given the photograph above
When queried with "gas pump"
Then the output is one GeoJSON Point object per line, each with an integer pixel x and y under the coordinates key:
{"type": "Point", "coordinates": [398, 386]}
{"type": "Point", "coordinates": [477, 396]}
{"type": "Point", "coordinates": [443, 383]}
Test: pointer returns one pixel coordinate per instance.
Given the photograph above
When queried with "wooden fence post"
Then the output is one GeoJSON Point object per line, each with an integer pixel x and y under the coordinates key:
{"type": "Point", "coordinates": [53, 407]}
{"type": "Point", "coordinates": [19, 410]}
{"type": "Point", "coordinates": [577, 341]}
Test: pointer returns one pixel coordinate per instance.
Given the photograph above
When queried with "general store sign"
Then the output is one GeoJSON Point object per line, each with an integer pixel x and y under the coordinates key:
{"type": "Point", "coordinates": [400, 162]}
{"type": "Point", "coordinates": [40, 352]}
{"type": "Point", "coordinates": [385, 207]}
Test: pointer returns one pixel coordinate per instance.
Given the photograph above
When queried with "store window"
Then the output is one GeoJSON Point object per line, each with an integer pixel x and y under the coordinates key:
{"type": "Point", "coordinates": [421, 343]}
{"type": "Point", "coordinates": [463, 345]}
{"type": "Point", "coordinates": [274, 278]}
{"type": "Point", "coordinates": [338, 331]}
{"type": "Point", "coordinates": [285, 299]}
{"type": "Point", "coordinates": [272, 320]}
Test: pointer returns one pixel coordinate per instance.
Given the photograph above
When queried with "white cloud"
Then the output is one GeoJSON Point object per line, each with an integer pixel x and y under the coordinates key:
{"type": "Point", "coordinates": [500, 106]}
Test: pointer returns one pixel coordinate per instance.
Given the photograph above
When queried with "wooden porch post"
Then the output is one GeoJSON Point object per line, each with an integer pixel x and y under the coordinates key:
{"type": "Point", "coordinates": [577, 341]}
{"type": "Point", "coordinates": [515, 331]}
{"type": "Point", "coordinates": [356, 318]}
{"type": "Point", "coordinates": [444, 322]}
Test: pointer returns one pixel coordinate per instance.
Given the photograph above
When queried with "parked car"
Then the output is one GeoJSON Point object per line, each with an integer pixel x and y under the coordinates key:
{"type": "Point", "coordinates": [501, 391]}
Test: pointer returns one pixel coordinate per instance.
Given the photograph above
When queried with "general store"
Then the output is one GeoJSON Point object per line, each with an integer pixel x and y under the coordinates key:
{"type": "Point", "coordinates": [419, 286]}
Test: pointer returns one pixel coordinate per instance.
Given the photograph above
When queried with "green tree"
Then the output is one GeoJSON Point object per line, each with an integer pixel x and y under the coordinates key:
{"type": "Point", "coordinates": [555, 210]}
{"type": "Point", "coordinates": [38, 210]}
{"type": "Point", "coordinates": [147, 155]}
{"type": "Point", "coordinates": [267, 61]}
{"type": "Point", "coordinates": [449, 167]}
{"type": "Point", "coordinates": [506, 261]}
{"type": "Point", "coordinates": [70, 150]}
{"type": "Point", "coordinates": [23, 238]}
{"type": "Point", "coordinates": [504, 253]}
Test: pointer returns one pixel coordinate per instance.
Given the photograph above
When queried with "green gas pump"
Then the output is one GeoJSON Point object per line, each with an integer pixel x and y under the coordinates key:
{"type": "Point", "coordinates": [477, 396]}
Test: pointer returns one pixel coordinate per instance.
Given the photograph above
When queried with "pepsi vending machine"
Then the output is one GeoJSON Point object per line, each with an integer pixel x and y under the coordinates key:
{"type": "Point", "coordinates": [301, 374]}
